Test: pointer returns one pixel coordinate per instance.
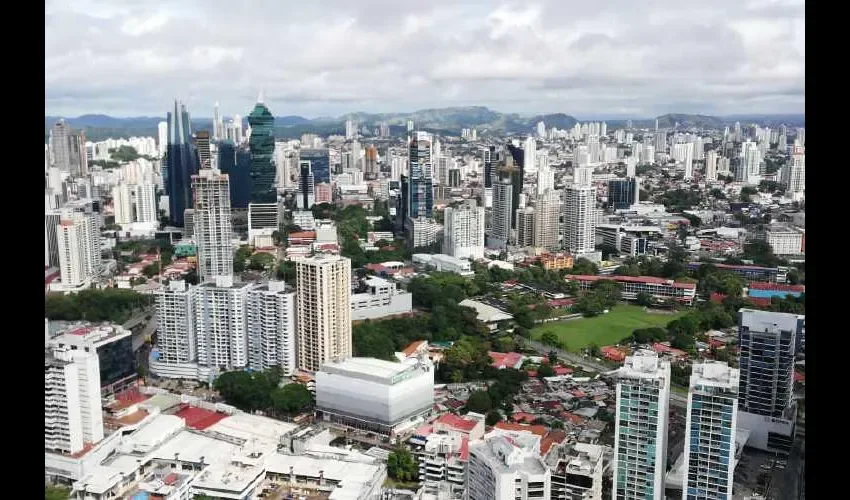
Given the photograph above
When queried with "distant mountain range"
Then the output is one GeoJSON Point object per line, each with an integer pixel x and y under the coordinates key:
{"type": "Point", "coordinates": [443, 120]}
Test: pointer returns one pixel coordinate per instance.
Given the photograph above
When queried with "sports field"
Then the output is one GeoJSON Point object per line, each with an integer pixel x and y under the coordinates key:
{"type": "Point", "coordinates": [605, 329]}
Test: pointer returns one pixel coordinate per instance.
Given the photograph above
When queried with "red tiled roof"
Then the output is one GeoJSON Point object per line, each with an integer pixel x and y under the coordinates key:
{"type": "Point", "coordinates": [521, 417]}
{"type": "Point", "coordinates": [456, 422]}
{"type": "Point", "coordinates": [563, 370]}
{"type": "Point", "coordinates": [561, 302]}
{"type": "Point", "coordinates": [760, 285]}
{"type": "Point", "coordinates": [572, 417]}
{"type": "Point", "coordinates": [303, 235]}
{"type": "Point", "coordinates": [464, 449]}
{"type": "Point", "coordinates": [199, 418]}
{"type": "Point", "coordinates": [551, 438]}
{"type": "Point", "coordinates": [579, 394]}
{"type": "Point", "coordinates": [412, 347]}
{"type": "Point", "coordinates": [505, 359]}
{"type": "Point", "coordinates": [661, 348]}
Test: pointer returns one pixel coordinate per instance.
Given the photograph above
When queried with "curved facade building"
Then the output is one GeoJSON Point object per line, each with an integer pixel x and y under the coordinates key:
{"type": "Point", "coordinates": [181, 163]}
{"type": "Point", "coordinates": [261, 143]}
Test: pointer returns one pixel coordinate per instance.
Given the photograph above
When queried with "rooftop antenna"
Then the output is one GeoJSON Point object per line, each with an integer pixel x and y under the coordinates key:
{"type": "Point", "coordinates": [260, 97]}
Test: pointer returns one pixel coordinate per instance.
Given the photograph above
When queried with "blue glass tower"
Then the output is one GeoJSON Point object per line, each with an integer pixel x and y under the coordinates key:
{"type": "Point", "coordinates": [320, 163]}
{"type": "Point", "coordinates": [420, 186]}
{"type": "Point", "coordinates": [236, 163]}
{"type": "Point", "coordinates": [622, 193]}
{"type": "Point", "coordinates": [182, 161]}
{"type": "Point", "coordinates": [261, 142]}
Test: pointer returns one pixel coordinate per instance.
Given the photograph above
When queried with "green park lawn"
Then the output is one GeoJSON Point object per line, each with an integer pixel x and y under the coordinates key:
{"type": "Point", "coordinates": [605, 329]}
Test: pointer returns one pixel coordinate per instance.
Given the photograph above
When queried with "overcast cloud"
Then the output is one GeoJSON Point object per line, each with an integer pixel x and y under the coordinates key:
{"type": "Point", "coordinates": [329, 57]}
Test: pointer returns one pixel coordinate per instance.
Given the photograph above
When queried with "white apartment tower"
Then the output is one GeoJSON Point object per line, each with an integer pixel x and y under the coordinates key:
{"type": "Point", "coordinates": [146, 203]}
{"type": "Point", "coordinates": [212, 225]}
{"type": "Point", "coordinates": [176, 324]}
{"type": "Point", "coordinates": [640, 435]}
{"type": "Point", "coordinates": [122, 203]}
{"type": "Point", "coordinates": [72, 409]}
{"type": "Point", "coordinates": [794, 173]}
{"type": "Point", "coordinates": [710, 432]}
{"type": "Point", "coordinates": [524, 234]}
{"type": "Point", "coordinates": [580, 219]}
{"type": "Point", "coordinates": [220, 325]}
{"type": "Point", "coordinates": [507, 466]}
{"type": "Point", "coordinates": [270, 313]}
{"type": "Point", "coordinates": [463, 235]}
{"type": "Point", "coordinates": [546, 220]}
{"type": "Point", "coordinates": [78, 243]}
{"type": "Point", "coordinates": [530, 154]}
{"type": "Point", "coordinates": [162, 138]}
{"type": "Point", "coordinates": [711, 166]}
{"type": "Point", "coordinates": [324, 310]}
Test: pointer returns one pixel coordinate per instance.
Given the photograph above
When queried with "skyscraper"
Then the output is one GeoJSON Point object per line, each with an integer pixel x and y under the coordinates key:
{"type": "Point", "coordinates": [146, 210]}
{"type": "Point", "coordinates": [162, 138]}
{"type": "Point", "coordinates": [181, 162]}
{"type": "Point", "coordinates": [220, 325]}
{"type": "Point", "coordinates": [202, 143]}
{"type": "Point", "coordinates": [306, 196]}
{"type": "Point", "coordinates": [218, 125]}
{"type": "Point", "coordinates": [261, 142]}
{"type": "Point", "coordinates": [236, 163]}
{"type": "Point", "coordinates": [546, 220]}
{"type": "Point", "coordinates": [122, 204]}
{"type": "Point", "coordinates": [324, 310]}
{"type": "Point", "coordinates": [320, 163]}
{"type": "Point", "coordinates": [640, 427]}
{"type": "Point", "coordinates": [711, 166]}
{"type": "Point", "coordinates": [72, 406]}
{"type": "Point", "coordinates": [580, 219]}
{"type": "Point", "coordinates": [421, 196]}
{"type": "Point", "coordinates": [270, 314]}
{"type": "Point", "coordinates": [78, 243]}
{"type": "Point", "coordinates": [524, 233]}
{"type": "Point", "coordinates": [464, 231]}
{"type": "Point", "coordinates": [515, 167]}
{"type": "Point", "coordinates": [500, 228]}
{"type": "Point", "coordinates": [710, 432]}
{"type": "Point", "coordinates": [176, 344]}
{"type": "Point", "coordinates": [69, 149]}
{"type": "Point", "coordinates": [768, 342]}
{"type": "Point", "coordinates": [530, 154]}
{"type": "Point", "coordinates": [212, 226]}
{"type": "Point", "coordinates": [490, 158]}
{"type": "Point", "coordinates": [793, 174]}
{"type": "Point", "coordinates": [623, 193]}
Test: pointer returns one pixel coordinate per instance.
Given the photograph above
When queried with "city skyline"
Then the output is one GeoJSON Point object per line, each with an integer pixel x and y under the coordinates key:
{"type": "Point", "coordinates": [610, 60]}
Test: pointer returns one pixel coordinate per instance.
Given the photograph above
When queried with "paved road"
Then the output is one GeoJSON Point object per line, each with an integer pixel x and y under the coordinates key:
{"type": "Point", "coordinates": [139, 335]}
{"type": "Point", "coordinates": [590, 365]}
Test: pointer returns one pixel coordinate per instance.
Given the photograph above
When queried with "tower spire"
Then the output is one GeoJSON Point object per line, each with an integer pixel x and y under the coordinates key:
{"type": "Point", "coordinates": [260, 97]}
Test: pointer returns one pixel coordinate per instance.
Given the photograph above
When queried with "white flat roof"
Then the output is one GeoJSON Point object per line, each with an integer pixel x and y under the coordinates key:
{"type": "Point", "coordinates": [353, 477]}
{"type": "Point", "coordinates": [367, 366]}
{"type": "Point", "coordinates": [154, 432]}
{"type": "Point", "coordinates": [486, 313]}
{"type": "Point", "coordinates": [190, 447]}
{"type": "Point", "coordinates": [264, 430]}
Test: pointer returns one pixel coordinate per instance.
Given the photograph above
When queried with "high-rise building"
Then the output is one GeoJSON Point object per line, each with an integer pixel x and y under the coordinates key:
{"type": "Point", "coordinates": [320, 163]}
{"type": "Point", "coordinates": [583, 176]}
{"type": "Point", "coordinates": [220, 325]}
{"type": "Point", "coordinates": [541, 130]}
{"type": "Point", "coordinates": [212, 225]}
{"type": "Point", "coordinates": [78, 243]}
{"type": "Point", "coordinates": [530, 154]}
{"type": "Point", "coordinates": [580, 219]}
{"type": "Point", "coordinates": [262, 216]}
{"type": "Point", "coordinates": [500, 228]}
{"type": "Point", "coordinates": [640, 427]}
{"type": "Point", "coordinates": [623, 193]}
{"type": "Point", "coordinates": [463, 235]}
{"type": "Point", "coordinates": [122, 204]}
{"type": "Point", "coordinates": [306, 196]}
{"type": "Point", "coordinates": [515, 167]}
{"type": "Point", "coordinates": [324, 310]}
{"type": "Point", "coordinates": [181, 162]}
{"type": "Point", "coordinates": [711, 166]}
{"type": "Point", "coordinates": [524, 233]}
{"type": "Point", "coordinates": [793, 175]}
{"type": "Point", "coordinates": [350, 129]}
{"type": "Point", "coordinates": [218, 125]}
{"type": "Point", "coordinates": [73, 416]}
{"type": "Point", "coordinates": [507, 466]}
{"type": "Point", "coordinates": [236, 163]}
{"type": "Point", "coordinates": [749, 169]}
{"type": "Point", "coordinates": [146, 203]}
{"type": "Point", "coordinates": [51, 238]}
{"type": "Point", "coordinates": [270, 313]}
{"type": "Point", "coordinates": [261, 143]}
{"type": "Point", "coordinates": [421, 197]}
{"type": "Point", "coordinates": [710, 432]}
{"type": "Point", "coordinates": [545, 178]}
{"type": "Point", "coordinates": [69, 149]}
{"type": "Point", "coordinates": [176, 344]}
{"type": "Point", "coordinates": [546, 220]}
{"type": "Point", "coordinates": [202, 144]}
{"type": "Point", "coordinates": [162, 138]}
{"type": "Point", "coordinates": [490, 158]}
{"type": "Point", "coordinates": [768, 342]}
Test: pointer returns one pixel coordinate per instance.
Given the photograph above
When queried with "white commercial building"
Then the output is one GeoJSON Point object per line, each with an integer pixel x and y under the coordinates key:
{"type": "Point", "coordinates": [111, 343]}
{"type": "Point", "coordinates": [324, 310]}
{"type": "Point", "coordinates": [463, 236]}
{"type": "Point", "coordinates": [374, 394]}
{"type": "Point", "coordinates": [382, 298]}
{"type": "Point", "coordinates": [576, 471]}
{"type": "Point", "coordinates": [580, 219]}
{"type": "Point", "coordinates": [640, 429]}
{"type": "Point", "coordinates": [78, 244]}
{"type": "Point", "coordinates": [444, 263]}
{"type": "Point", "coordinates": [270, 313]}
{"type": "Point", "coordinates": [146, 203]}
{"type": "Point", "coordinates": [710, 432]}
{"type": "Point", "coordinates": [507, 466]}
{"type": "Point", "coordinates": [212, 226]}
{"type": "Point", "coordinates": [784, 240]}
{"type": "Point", "coordinates": [72, 411]}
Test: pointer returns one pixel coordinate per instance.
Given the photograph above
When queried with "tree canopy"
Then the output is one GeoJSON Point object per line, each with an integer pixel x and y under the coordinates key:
{"type": "Point", "coordinates": [106, 304]}
{"type": "Point", "coordinates": [401, 465]}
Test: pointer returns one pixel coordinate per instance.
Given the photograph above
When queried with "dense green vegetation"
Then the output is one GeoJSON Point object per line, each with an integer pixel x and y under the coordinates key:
{"type": "Point", "coordinates": [107, 304]}
{"type": "Point", "coordinates": [56, 493]}
{"type": "Point", "coordinates": [251, 391]}
{"type": "Point", "coordinates": [678, 200]}
{"type": "Point", "coordinates": [401, 465]}
{"type": "Point", "coordinates": [604, 294]}
{"type": "Point", "coordinates": [124, 154]}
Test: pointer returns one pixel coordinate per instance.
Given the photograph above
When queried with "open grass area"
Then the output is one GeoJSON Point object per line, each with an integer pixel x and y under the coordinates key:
{"type": "Point", "coordinates": [605, 329]}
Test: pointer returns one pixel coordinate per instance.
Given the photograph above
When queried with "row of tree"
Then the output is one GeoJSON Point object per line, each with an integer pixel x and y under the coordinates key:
{"type": "Point", "coordinates": [106, 304]}
{"type": "Point", "coordinates": [252, 391]}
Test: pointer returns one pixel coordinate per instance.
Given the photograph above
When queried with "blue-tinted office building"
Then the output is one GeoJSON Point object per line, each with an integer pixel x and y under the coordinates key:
{"type": "Point", "coordinates": [320, 163]}
{"type": "Point", "coordinates": [622, 193]}
{"type": "Point", "coordinates": [182, 163]}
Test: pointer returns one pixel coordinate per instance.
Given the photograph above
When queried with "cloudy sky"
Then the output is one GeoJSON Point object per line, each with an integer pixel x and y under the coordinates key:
{"type": "Point", "coordinates": [612, 58]}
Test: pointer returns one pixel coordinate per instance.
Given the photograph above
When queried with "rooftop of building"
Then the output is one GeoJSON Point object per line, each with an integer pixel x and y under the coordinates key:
{"type": "Point", "coordinates": [486, 313]}
{"type": "Point", "coordinates": [510, 452]}
{"type": "Point", "coordinates": [77, 332]}
{"type": "Point", "coordinates": [575, 458]}
{"type": "Point", "coordinates": [371, 368]}
{"type": "Point", "coordinates": [633, 279]}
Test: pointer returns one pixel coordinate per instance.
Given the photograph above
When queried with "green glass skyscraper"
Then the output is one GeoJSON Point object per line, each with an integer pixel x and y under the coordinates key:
{"type": "Point", "coordinates": [261, 143]}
